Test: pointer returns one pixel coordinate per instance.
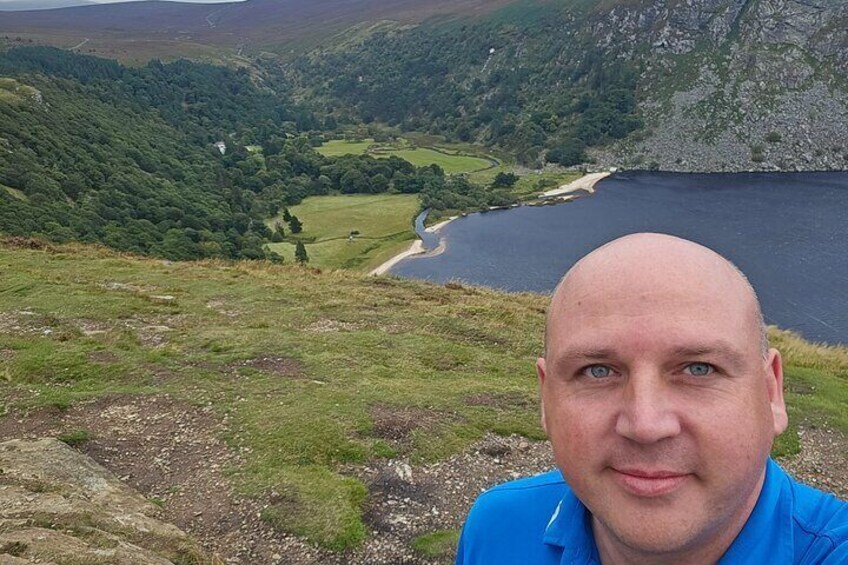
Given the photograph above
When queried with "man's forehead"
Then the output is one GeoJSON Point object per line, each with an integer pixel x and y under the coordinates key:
{"type": "Point", "coordinates": [653, 274]}
{"type": "Point", "coordinates": [646, 266]}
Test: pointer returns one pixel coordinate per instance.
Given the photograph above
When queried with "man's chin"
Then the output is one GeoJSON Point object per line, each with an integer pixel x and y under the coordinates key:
{"type": "Point", "coordinates": [663, 535]}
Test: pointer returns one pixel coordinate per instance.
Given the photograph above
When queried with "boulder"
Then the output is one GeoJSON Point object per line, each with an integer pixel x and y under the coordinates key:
{"type": "Point", "coordinates": [59, 506]}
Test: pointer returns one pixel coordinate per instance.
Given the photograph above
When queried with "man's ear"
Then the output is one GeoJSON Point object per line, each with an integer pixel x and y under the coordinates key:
{"type": "Point", "coordinates": [540, 371]}
{"type": "Point", "coordinates": [774, 386]}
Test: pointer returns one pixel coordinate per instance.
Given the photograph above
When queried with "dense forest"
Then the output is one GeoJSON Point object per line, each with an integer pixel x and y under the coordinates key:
{"type": "Point", "coordinates": [533, 84]}
{"type": "Point", "coordinates": [95, 151]}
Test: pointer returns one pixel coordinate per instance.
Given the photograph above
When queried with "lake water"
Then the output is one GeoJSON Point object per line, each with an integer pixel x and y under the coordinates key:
{"type": "Point", "coordinates": [787, 232]}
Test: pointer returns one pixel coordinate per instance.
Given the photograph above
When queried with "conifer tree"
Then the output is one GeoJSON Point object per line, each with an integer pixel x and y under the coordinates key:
{"type": "Point", "coordinates": [300, 253]}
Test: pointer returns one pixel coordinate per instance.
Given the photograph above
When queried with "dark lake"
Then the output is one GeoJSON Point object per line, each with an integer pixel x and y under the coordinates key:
{"type": "Point", "coordinates": [788, 232]}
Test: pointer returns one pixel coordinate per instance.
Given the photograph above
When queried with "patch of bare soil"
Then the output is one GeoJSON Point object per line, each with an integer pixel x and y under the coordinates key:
{"type": "Point", "coordinates": [407, 501]}
{"type": "Point", "coordinates": [171, 452]}
{"type": "Point", "coordinates": [823, 461]}
{"type": "Point", "coordinates": [398, 422]}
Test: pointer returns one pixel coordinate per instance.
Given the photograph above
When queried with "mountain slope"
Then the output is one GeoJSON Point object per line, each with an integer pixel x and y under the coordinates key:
{"type": "Point", "coordinates": [719, 84]}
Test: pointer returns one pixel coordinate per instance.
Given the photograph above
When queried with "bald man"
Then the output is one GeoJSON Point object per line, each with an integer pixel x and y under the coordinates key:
{"type": "Point", "coordinates": [661, 400]}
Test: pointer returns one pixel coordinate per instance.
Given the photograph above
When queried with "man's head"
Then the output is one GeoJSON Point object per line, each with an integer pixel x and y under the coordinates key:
{"type": "Point", "coordinates": [659, 396]}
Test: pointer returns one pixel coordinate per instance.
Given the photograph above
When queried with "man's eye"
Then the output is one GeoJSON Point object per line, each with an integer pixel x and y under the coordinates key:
{"type": "Point", "coordinates": [597, 371]}
{"type": "Point", "coordinates": [699, 369]}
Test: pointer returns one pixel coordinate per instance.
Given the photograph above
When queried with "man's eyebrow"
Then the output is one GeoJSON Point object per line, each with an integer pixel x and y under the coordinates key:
{"type": "Point", "coordinates": [582, 355]}
{"type": "Point", "coordinates": [720, 349]}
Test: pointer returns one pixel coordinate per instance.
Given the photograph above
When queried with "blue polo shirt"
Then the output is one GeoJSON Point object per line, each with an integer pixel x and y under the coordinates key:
{"type": "Point", "coordinates": [540, 521]}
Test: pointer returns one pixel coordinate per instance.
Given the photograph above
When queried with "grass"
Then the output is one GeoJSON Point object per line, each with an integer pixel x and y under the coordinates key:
{"type": "Point", "coordinates": [453, 159]}
{"type": "Point", "coordinates": [436, 545]}
{"type": "Point", "coordinates": [452, 164]}
{"type": "Point", "coordinates": [384, 223]}
{"type": "Point", "coordinates": [14, 192]}
{"type": "Point", "coordinates": [13, 92]}
{"type": "Point", "coordinates": [356, 341]}
{"type": "Point", "coordinates": [337, 147]}
{"type": "Point", "coordinates": [530, 184]}
{"type": "Point", "coordinates": [352, 344]}
{"type": "Point", "coordinates": [75, 438]}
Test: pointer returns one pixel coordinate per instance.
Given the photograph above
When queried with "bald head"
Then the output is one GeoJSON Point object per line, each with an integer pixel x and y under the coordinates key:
{"type": "Point", "coordinates": [648, 268]}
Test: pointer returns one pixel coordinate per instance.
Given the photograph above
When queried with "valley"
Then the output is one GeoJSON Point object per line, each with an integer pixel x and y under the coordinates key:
{"type": "Point", "coordinates": [193, 199]}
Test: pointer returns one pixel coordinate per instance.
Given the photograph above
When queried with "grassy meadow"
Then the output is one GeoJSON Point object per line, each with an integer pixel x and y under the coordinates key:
{"type": "Point", "coordinates": [454, 158]}
{"type": "Point", "coordinates": [338, 147]}
{"type": "Point", "coordinates": [451, 160]}
{"type": "Point", "coordinates": [347, 345]}
{"type": "Point", "coordinates": [384, 223]}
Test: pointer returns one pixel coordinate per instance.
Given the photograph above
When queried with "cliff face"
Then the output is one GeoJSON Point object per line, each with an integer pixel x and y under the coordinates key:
{"type": "Point", "coordinates": [735, 85]}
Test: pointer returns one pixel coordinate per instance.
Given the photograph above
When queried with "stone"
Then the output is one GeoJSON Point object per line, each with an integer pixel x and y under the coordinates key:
{"type": "Point", "coordinates": [58, 506]}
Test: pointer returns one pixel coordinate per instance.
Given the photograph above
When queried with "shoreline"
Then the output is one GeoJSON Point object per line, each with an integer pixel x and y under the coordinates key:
{"type": "Point", "coordinates": [586, 182]}
{"type": "Point", "coordinates": [564, 192]}
{"type": "Point", "coordinates": [417, 248]}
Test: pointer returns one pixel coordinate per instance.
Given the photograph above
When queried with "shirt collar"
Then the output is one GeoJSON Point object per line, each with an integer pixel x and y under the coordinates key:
{"type": "Point", "coordinates": [765, 538]}
{"type": "Point", "coordinates": [570, 528]}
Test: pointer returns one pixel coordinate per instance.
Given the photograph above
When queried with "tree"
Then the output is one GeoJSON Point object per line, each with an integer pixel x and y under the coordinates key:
{"type": "Point", "coordinates": [504, 180]}
{"type": "Point", "coordinates": [286, 215]}
{"type": "Point", "coordinates": [300, 253]}
{"type": "Point", "coordinates": [280, 230]}
{"type": "Point", "coordinates": [295, 225]}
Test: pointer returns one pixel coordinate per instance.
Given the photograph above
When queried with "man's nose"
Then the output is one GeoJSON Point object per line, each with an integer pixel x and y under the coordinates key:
{"type": "Point", "coordinates": [647, 413]}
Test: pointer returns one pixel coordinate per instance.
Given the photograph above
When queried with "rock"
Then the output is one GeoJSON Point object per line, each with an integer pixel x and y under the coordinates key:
{"type": "Point", "coordinates": [59, 506]}
{"type": "Point", "coordinates": [762, 68]}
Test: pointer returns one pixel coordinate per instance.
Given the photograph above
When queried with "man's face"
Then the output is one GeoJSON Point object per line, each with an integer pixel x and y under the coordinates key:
{"type": "Point", "coordinates": [659, 404]}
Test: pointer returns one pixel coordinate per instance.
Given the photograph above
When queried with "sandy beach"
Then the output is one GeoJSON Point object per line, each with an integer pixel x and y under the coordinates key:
{"type": "Point", "coordinates": [586, 182]}
{"type": "Point", "coordinates": [417, 248]}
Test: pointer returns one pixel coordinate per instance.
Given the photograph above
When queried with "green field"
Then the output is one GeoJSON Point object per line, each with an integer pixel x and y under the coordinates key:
{"type": "Point", "coordinates": [337, 147]}
{"type": "Point", "coordinates": [452, 164]}
{"type": "Point", "coordinates": [451, 160]}
{"type": "Point", "coordinates": [301, 367]}
{"type": "Point", "coordinates": [384, 223]}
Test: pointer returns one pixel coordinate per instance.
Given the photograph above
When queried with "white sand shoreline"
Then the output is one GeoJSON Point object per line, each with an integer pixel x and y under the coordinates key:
{"type": "Point", "coordinates": [417, 248]}
{"type": "Point", "coordinates": [586, 182]}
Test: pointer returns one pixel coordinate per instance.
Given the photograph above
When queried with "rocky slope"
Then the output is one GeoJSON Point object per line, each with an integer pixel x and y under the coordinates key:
{"type": "Point", "coordinates": [735, 85]}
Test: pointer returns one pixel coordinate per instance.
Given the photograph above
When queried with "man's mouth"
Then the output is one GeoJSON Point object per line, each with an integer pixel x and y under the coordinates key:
{"type": "Point", "coordinates": [649, 483]}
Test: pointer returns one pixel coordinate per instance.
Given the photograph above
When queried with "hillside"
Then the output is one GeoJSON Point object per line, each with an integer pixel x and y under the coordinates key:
{"type": "Point", "coordinates": [181, 160]}
{"type": "Point", "coordinates": [173, 29]}
{"type": "Point", "coordinates": [276, 410]}
{"type": "Point", "coordinates": [719, 85]}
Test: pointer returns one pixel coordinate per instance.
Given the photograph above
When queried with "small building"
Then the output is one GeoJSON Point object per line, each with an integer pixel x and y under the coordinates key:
{"type": "Point", "coordinates": [221, 146]}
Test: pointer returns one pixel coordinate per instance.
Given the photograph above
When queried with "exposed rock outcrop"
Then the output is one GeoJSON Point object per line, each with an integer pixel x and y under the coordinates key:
{"type": "Point", "coordinates": [59, 506]}
{"type": "Point", "coordinates": [735, 85]}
